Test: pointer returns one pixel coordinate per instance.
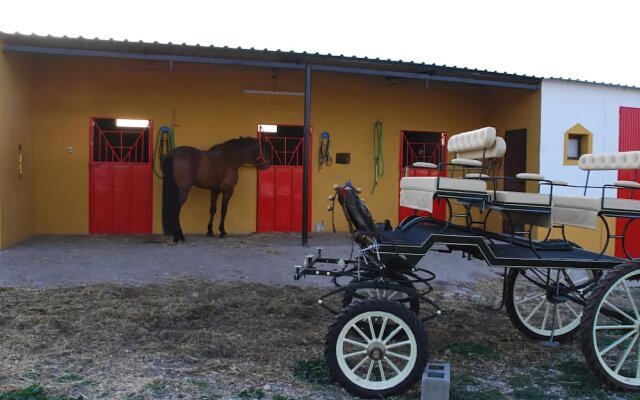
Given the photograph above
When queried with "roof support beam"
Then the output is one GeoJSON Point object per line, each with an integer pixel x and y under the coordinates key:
{"type": "Point", "coordinates": [306, 159]}
{"type": "Point", "coordinates": [150, 57]}
{"type": "Point", "coordinates": [426, 77]}
{"type": "Point", "coordinates": [264, 64]}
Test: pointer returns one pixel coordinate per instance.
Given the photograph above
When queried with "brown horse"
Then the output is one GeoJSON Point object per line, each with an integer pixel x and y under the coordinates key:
{"type": "Point", "coordinates": [215, 169]}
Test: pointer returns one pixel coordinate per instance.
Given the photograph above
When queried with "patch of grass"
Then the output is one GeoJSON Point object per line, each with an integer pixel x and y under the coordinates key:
{"type": "Point", "coordinates": [159, 387]}
{"type": "Point", "coordinates": [312, 371]}
{"type": "Point", "coordinates": [463, 379]}
{"type": "Point", "coordinates": [281, 397]}
{"type": "Point", "coordinates": [204, 388]}
{"type": "Point", "coordinates": [578, 380]}
{"type": "Point", "coordinates": [251, 394]}
{"type": "Point", "coordinates": [33, 392]}
{"type": "Point", "coordinates": [465, 386]}
{"type": "Point", "coordinates": [68, 377]}
{"type": "Point", "coordinates": [472, 349]}
{"type": "Point", "coordinates": [479, 394]}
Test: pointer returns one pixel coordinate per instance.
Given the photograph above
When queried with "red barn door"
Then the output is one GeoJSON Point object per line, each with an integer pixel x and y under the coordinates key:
{"type": "Point", "coordinates": [422, 147]}
{"type": "Point", "coordinates": [280, 186]}
{"type": "Point", "coordinates": [120, 179]}
{"type": "Point", "coordinates": [629, 141]}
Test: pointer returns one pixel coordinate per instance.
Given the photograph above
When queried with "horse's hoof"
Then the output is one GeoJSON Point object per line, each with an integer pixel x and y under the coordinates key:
{"type": "Point", "coordinates": [171, 242]}
{"type": "Point", "coordinates": [223, 235]}
{"type": "Point", "coordinates": [210, 234]}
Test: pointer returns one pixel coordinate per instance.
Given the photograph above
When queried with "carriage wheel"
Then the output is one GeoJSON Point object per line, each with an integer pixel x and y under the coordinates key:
{"type": "Point", "coordinates": [611, 328]}
{"type": "Point", "coordinates": [376, 348]}
{"type": "Point", "coordinates": [531, 302]}
{"type": "Point", "coordinates": [381, 293]}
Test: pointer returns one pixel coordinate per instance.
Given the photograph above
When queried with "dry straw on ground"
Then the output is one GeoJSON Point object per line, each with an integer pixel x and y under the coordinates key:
{"type": "Point", "coordinates": [196, 339]}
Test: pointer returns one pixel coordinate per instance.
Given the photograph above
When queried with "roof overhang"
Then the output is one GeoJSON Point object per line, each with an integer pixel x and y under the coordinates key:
{"type": "Point", "coordinates": [80, 47]}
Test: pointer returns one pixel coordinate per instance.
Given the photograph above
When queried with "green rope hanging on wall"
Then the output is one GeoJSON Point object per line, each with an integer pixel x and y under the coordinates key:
{"type": "Point", "coordinates": [165, 142]}
{"type": "Point", "coordinates": [378, 158]}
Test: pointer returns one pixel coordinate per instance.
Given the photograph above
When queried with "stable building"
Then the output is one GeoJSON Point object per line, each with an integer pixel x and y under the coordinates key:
{"type": "Point", "coordinates": [588, 117]}
{"type": "Point", "coordinates": [69, 167]}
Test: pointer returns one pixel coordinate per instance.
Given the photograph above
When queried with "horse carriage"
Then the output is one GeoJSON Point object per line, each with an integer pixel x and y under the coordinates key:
{"type": "Point", "coordinates": [552, 288]}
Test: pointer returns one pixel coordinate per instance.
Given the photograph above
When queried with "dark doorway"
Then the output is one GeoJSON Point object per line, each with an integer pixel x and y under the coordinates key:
{"type": "Point", "coordinates": [515, 159]}
{"type": "Point", "coordinates": [515, 162]}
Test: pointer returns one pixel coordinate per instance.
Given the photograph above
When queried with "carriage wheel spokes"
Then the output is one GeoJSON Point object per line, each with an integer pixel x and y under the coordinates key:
{"type": "Point", "coordinates": [540, 306]}
{"type": "Point", "coordinates": [413, 302]}
{"type": "Point", "coordinates": [611, 342]}
{"type": "Point", "coordinates": [376, 347]}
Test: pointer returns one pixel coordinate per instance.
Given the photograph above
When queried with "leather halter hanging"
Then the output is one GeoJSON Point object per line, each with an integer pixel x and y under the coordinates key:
{"type": "Point", "coordinates": [261, 161]}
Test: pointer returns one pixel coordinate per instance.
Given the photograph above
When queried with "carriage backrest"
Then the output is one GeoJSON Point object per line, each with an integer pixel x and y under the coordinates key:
{"type": "Point", "coordinates": [610, 161]}
{"type": "Point", "coordinates": [476, 140]}
{"type": "Point", "coordinates": [355, 210]}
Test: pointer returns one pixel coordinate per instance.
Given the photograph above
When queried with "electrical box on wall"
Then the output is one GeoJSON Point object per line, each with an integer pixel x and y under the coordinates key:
{"type": "Point", "coordinates": [343, 158]}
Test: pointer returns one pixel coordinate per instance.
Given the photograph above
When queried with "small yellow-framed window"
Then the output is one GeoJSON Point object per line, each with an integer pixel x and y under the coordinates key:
{"type": "Point", "coordinates": [577, 141]}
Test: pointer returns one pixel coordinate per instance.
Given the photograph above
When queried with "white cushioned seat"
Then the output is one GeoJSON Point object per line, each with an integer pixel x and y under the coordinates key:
{"type": "Point", "coordinates": [475, 175]}
{"type": "Point", "coordinates": [530, 176]}
{"type": "Point", "coordinates": [521, 198]}
{"type": "Point", "coordinates": [630, 184]}
{"type": "Point", "coordinates": [420, 164]}
{"type": "Point", "coordinates": [622, 204]}
{"type": "Point", "coordinates": [417, 192]}
{"type": "Point", "coordinates": [467, 162]}
{"type": "Point", "coordinates": [430, 184]}
{"type": "Point", "coordinates": [496, 151]}
{"type": "Point", "coordinates": [579, 211]}
{"type": "Point", "coordinates": [610, 161]}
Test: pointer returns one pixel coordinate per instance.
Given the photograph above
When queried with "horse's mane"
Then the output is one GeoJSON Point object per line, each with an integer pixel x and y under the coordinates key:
{"type": "Point", "coordinates": [232, 143]}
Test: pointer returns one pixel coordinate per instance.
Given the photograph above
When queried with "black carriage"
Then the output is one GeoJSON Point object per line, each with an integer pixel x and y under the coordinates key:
{"type": "Point", "coordinates": [377, 346]}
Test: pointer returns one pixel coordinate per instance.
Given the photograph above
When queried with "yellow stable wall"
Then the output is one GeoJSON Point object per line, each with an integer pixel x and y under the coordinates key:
{"type": "Point", "coordinates": [17, 220]}
{"type": "Point", "coordinates": [209, 107]}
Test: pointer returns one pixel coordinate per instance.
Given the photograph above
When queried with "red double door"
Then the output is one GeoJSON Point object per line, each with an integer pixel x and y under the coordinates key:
{"type": "Point", "coordinates": [120, 179]}
{"type": "Point", "coordinates": [422, 147]}
{"type": "Point", "coordinates": [629, 141]}
{"type": "Point", "coordinates": [280, 186]}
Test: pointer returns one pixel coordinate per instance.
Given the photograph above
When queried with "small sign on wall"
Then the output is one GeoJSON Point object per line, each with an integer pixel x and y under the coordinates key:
{"type": "Point", "coordinates": [343, 158]}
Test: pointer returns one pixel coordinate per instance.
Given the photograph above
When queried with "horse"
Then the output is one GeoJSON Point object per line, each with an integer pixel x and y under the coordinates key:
{"type": "Point", "coordinates": [215, 169]}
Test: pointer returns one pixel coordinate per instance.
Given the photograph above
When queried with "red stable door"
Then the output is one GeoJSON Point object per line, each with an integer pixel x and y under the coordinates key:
{"type": "Point", "coordinates": [629, 141]}
{"type": "Point", "coordinates": [280, 185]}
{"type": "Point", "coordinates": [120, 179]}
{"type": "Point", "coordinates": [422, 147]}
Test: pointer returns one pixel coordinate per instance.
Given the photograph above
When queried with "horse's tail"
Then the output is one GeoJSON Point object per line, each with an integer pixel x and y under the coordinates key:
{"type": "Point", "coordinates": [169, 197]}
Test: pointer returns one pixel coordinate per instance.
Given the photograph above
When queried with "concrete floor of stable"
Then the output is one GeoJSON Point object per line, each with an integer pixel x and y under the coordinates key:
{"type": "Point", "coordinates": [69, 260]}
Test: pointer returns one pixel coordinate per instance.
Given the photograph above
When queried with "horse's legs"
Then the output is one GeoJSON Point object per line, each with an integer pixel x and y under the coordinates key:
{"type": "Point", "coordinates": [223, 213]}
{"type": "Point", "coordinates": [212, 211]}
{"type": "Point", "coordinates": [178, 236]}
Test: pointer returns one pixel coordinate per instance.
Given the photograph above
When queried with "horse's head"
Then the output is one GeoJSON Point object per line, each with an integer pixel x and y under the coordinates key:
{"type": "Point", "coordinates": [263, 154]}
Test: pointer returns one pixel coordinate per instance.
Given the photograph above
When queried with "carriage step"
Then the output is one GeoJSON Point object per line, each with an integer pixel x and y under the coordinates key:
{"type": "Point", "coordinates": [436, 382]}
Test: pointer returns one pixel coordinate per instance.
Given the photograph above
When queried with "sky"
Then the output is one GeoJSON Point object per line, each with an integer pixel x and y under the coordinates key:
{"type": "Point", "coordinates": [586, 40]}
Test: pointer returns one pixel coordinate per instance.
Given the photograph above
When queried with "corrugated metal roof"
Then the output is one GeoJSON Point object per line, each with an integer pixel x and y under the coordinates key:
{"type": "Point", "coordinates": [184, 49]}
{"type": "Point", "coordinates": [593, 82]}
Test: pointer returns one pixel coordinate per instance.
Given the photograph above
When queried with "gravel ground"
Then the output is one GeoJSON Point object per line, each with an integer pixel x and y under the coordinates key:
{"type": "Point", "coordinates": [63, 260]}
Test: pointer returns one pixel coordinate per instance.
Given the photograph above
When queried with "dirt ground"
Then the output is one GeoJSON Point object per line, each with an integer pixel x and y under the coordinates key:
{"type": "Point", "coordinates": [60, 260]}
{"type": "Point", "coordinates": [132, 318]}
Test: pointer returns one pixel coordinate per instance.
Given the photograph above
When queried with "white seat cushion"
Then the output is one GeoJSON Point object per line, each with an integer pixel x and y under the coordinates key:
{"type": "Point", "coordinates": [467, 162]}
{"type": "Point", "coordinates": [579, 211]}
{"type": "Point", "coordinates": [579, 202]}
{"type": "Point", "coordinates": [523, 198]}
{"type": "Point", "coordinates": [430, 184]}
{"type": "Point", "coordinates": [417, 199]}
{"type": "Point", "coordinates": [622, 204]}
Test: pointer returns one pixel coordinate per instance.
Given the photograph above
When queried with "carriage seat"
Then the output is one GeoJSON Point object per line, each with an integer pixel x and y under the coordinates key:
{"type": "Point", "coordinates": [472, 149]}
{"type": "Point", "coordinates": [583, 211]}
